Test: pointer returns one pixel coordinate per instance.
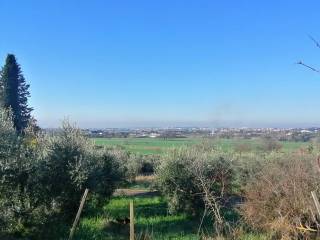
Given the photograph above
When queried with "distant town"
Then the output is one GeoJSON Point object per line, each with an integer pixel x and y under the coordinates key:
{"type": "Point", "coordinates": [281, 134]}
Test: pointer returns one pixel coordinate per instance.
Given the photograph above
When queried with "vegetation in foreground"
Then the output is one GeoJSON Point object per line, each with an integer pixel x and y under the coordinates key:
{"type": "Point", "coordinates": [261, 196]}
{"type": "Point", "coordinates": [43, 178]}
{"type": "Point", "coordinates": [153, 220]}
{"type": "Point", "coordinates": [41, 187]}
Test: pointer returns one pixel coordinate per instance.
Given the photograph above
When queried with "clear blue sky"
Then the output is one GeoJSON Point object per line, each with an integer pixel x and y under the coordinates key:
{"type": "Point", "coordinates": [164, 63]}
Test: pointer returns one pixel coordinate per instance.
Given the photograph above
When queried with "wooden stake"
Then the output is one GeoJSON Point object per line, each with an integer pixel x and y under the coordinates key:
{"type": "Point", "coordinates": [131, 221]}
{"type": "Point", "coordinates": [76, 220]}
{"type": "Point", "coordinates": [204, 214]}
{"type": "Point", "coordinates": [316, 202]}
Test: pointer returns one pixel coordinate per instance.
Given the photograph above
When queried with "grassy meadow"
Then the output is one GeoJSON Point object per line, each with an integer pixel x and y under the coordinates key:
{"type": "Point", "coordinates": [146, 145]}
{"type": "Point", "coordinates": [160, 145]}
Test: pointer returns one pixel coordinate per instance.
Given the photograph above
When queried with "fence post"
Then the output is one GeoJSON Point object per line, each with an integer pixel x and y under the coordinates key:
{"type": "Point", "coordinates": [131, 221]}
{"type": "Point", "coordinates": [76, 220]}
{"type": "Point", "coordinates": [316, 202]}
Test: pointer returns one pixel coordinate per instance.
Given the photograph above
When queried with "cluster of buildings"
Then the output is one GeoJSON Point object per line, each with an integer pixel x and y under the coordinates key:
{"type": "Point", "coordinates": [177, 132]}
{"type": "Point", "coordinates": [295, 134]}
{"type": "Point", "coordinates": [282, 134]}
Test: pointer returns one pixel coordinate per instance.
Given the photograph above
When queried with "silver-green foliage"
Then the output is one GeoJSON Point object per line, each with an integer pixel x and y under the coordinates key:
{"type": "Point", "coordinates": [43, 176]}
{"type": "Point", "coordinates": [195, 178]}
{"type": "Point", "coordinates": [20, 167]}
{"type": "Point", "coordinates": [8, 136]}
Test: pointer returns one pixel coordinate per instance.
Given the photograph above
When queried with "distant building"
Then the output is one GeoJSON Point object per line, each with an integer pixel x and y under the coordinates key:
{"type": "Point", "coordinates": [154, 135]}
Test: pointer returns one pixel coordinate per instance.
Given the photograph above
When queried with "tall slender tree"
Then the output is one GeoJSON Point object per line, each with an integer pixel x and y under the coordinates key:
{"type": "Point", "coordinates": [14, 93]}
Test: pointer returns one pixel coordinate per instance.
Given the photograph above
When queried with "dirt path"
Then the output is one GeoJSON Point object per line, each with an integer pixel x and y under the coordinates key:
{"type": "Point", "coordinates": [135, 192]}
{"type": "Point", "coordinates": [145, 181]}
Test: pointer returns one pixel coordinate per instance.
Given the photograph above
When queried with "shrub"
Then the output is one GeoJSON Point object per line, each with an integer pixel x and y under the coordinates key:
{"type": "Point", "coordinates": [42, 178]}
{"type": "Point", "coordinates": [269, 144]}
{"type": "Point", "coordinates": [142, 164]}
{"type": "Point", "coordinates": [197, 178]}
{"type": "Point", "coordinates": [242, 147]}
{"type": "Point", "coordinates": [22, 202]}
{"type": "Point", "coordinates": [277, 198]}
{"type": "Point", "coordinates": [133, 164]}
{"type": "Point", "coordinates": [176, 181]}
{"type": "Point", "coordinates": [148, 164]}
{"type": "Point", "coordinates": [73, 165]}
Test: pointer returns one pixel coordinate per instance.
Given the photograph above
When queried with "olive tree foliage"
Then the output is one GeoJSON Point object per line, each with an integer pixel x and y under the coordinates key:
{"type": "Point", "coordinates": [8, 137]}
{"type": "Point", "coordinates": [133, 164]}
{"type": "Point", "coordinates": [20, 164]}
{"type": "Point", "coordinates": [73, 164]}
{"type": "Point", "coordinates": [43, 177]}
{"type": "Point", "coordinates": [197, 179]}
{"type": "Point", "coordinates": [138, 164]}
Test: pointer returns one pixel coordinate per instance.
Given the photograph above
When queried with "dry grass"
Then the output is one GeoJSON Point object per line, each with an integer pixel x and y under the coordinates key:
{"type": "Point", "coordinates": [278, 197]}
{"type": "Point", "coordinates": [145, 178]}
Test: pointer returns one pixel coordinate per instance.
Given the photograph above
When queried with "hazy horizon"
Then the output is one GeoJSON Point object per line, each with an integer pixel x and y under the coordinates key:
{"type": "Point", "coordinates": [169, 124]}
{"type": "Point", "coordinates": [168, 63]}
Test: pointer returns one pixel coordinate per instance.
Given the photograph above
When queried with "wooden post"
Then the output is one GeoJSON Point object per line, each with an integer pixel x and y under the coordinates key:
{"type": "Point", "coordinates": [76, 220]}
{"type": "Point", "coordinates": [204, 214]}
{"type": "Point", "coordinates": [316, 202]}
{"type": "Point", "coordinates": [131, 221]}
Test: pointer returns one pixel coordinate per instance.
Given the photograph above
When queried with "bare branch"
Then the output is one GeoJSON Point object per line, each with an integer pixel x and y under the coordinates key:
{"type": "Point", "coordinates": [315, 41]}
{"type": "Point", "coordinates": [307, 66]}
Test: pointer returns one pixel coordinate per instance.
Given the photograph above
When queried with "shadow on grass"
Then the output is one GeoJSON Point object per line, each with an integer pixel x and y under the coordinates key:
{"type": "Point", "coordinates": [101, 228]}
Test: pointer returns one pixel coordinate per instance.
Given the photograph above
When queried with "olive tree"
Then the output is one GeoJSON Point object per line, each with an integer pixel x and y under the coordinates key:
{"type": "Point", "coordinates": [198, 179]}
{"type": "Point", "coordinates": [43, 177]}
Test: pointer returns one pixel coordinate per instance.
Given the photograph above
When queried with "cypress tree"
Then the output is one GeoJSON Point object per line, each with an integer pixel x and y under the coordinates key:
{"type": "Point", "coordinates": [14, 93]}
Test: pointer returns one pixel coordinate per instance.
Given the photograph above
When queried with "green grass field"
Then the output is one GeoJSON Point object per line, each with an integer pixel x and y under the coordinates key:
{"type": "Point", "coordinates": [146, 145]}
{"type": "Point", "coordinates": [158, 145]}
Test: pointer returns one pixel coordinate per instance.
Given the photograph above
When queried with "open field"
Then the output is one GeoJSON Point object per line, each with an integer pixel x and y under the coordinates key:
{"type": "Point", "coordinates": [159, 145]}
{"type": "Point", "coordinates": [146, 145]}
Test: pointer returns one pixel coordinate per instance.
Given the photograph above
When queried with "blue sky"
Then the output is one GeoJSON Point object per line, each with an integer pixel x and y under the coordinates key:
{"type": "Point", "coordinates": [165, 63]}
